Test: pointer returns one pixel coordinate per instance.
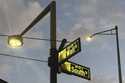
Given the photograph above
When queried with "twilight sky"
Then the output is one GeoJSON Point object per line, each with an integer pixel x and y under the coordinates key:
{"type": "Point", "coordinates": [75, 18]}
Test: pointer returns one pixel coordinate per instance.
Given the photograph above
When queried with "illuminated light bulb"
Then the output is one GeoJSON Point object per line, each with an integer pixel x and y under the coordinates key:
{"type": "Point", "coordinates": [89, 38]}
{"type": "Point", "coordinates": [15, 41]}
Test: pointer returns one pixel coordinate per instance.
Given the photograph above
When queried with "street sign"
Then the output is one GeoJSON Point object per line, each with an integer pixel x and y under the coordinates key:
{"type": "Point", "coordinates": [76, 69]}
{"type": "Point", "coordinates": [69, 51]}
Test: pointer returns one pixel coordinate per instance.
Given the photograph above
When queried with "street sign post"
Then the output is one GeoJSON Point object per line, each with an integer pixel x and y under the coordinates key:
{"type": "Point", "coordinates": [71, 68]}
{"type": "Point", "coordinates": [68, 67]}
{"type": "Point", "coordinates": [69, 51]}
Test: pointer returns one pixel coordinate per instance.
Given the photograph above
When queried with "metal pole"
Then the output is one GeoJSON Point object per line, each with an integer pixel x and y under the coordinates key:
{"type": "Point", "coordinates": [53, 67]}
{"type": "Point", "coordinates": [53, 59]}
{"type": "Point", "coordinates": [36, 20]}
{"type": "Point", "coordinates": [118, 51]}
{"type": "Point", "coordinates": [118, 56]}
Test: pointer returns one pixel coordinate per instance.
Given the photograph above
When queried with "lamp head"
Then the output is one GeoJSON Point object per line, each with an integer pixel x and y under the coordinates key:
{"type": "Point", "coordinates": [89, 38]}
{"type": "Point", "coordinates": [15, 41]}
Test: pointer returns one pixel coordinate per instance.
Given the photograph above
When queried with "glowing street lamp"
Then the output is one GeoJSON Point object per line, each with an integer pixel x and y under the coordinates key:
{"type": "Point", "coordinates": [52, 61]}
{"type": "Point", "coordinates": [15, 41]}
{"type": "Point", "coordinates": [113, 31]}
{"type": "Point", "coordinates": [89, 38]}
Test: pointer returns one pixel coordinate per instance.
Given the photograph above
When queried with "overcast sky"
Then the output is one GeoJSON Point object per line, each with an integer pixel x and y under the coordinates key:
{"type": "Point", "coordinates": [75, 18]}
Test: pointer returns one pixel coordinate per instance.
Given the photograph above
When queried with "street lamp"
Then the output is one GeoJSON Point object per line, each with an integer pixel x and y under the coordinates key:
{"type": "Point", "coordinates": [88, 38]}
{"type": "Point", "coordinates": [17, 40]}
{"type": "Point", "coordinates": [113, 31]}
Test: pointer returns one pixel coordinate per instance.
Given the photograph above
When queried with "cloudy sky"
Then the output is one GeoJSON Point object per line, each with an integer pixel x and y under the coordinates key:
{"type": "Point", "coordinates": [75, 18]}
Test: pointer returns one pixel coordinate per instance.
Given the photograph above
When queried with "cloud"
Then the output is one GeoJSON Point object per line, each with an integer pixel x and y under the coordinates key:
{"type": "Point", "coordinates": [98, 15]}
{"type": "Point", "coordinates": [18, 15]}
{"type": "Point", "coordinates": [87, 16]}
{"type": "Point", "coordinates": [26, 71]}
{"type": "Point", "coordinates": [4, 69]}
{"type": "Point", "coordinates": [103, 79]}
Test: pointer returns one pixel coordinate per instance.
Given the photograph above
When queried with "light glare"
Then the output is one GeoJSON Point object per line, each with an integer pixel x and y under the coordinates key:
{"type": "Point", "coordinates": [15, 41]}
{"type": "Point", "coordinates": [88, 38]}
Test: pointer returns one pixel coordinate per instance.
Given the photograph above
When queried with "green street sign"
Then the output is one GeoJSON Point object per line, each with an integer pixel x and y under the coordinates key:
{"type": "Point", "coordinates": [71, 68]}
{"type": "Point", "coordinates": [69, 51]}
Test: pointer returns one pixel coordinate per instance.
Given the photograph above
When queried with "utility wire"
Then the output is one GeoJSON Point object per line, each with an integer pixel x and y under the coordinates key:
{"type": "Point", "coordinates": [3, 35]}
{"type": "Point", "coordinates": [41, 39]}
{"type": "Point", "coordinates": [37, 38]}
{"type": "Point", "coordinates": [19, 57]}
